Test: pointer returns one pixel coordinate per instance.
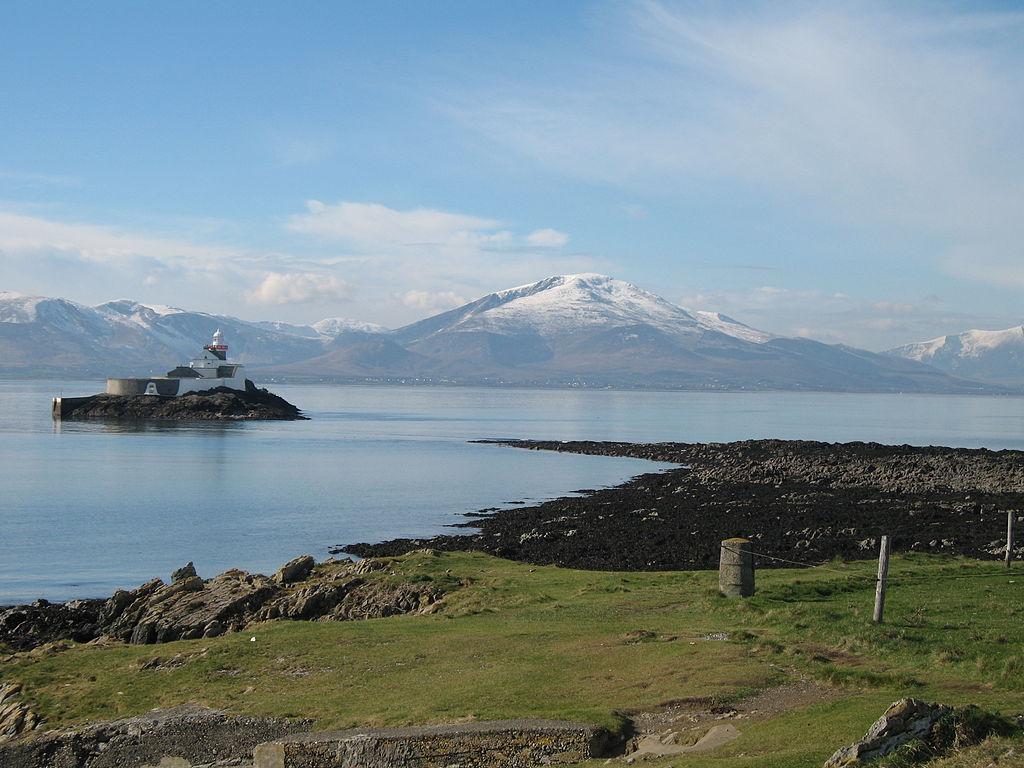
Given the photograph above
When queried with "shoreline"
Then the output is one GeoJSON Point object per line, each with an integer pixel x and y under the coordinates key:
{"type": "Point", "coordinates": [720, 490]}
{"type": "Point", "coordinates": [804, 501]}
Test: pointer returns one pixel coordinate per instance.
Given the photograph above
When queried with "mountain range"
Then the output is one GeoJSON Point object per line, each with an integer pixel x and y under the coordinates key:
{"type": "Point", "coordinates": [990, 356]}
{"type": "Point", "coordinates": [567, 330]}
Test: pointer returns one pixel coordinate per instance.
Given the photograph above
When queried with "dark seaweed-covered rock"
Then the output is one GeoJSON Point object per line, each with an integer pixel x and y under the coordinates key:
{"type": "Point", "coordinates": [801, 501]}
{"type": "Point", "coordinates": [220, 404]}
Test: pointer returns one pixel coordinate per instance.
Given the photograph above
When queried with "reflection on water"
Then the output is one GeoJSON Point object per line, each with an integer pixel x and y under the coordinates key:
{"type": "Point", "coordinates": [110, 426]}
{"type": "Point", "coordinates": [88, 506]}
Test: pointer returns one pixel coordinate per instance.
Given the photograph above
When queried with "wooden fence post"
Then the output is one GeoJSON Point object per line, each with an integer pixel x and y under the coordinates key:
{"type": "Point", "coordinates": [1011, 519]}
{"type": "Point", "coordinates": [883, 576]}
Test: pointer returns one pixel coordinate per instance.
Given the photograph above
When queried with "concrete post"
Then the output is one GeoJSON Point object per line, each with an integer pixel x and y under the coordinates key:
{"type": "Point", "coordinates": [736, 568]}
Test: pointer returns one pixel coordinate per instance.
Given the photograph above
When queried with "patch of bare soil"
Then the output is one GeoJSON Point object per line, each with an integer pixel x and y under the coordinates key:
{"type": "Point", "coordinates": [687, 726]}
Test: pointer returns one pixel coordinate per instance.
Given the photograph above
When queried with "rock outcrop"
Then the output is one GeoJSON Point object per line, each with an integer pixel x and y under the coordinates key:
{"type": "Point", "coordinates": [190, 608]}
{"type": "Point", "coordinates": [26, 626]}
{"type": "Point", "coordinates": [923, 731]}
{"type": "Point", "coordinates": [186, 609]}
{"type": "Point", "coordinates": [220, 404]}
{"type": "Point", "coordinates": [295, 570]}
{"type": "Point", "coordinates": [16, 717]}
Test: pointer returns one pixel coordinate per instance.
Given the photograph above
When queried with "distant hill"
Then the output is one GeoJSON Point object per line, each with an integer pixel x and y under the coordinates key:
{"type": "Point", "coordinates": [567, 330]}
{"type": "Point", "coordinates": [992, 356]}
{"type": "Point", "coordinates": [55, 337]}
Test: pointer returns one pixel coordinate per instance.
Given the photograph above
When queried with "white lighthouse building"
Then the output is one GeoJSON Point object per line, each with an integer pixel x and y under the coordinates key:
{"type": "Point", "coordinates": [210, 370]}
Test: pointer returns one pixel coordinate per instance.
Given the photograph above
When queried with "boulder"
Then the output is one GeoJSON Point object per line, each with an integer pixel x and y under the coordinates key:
{"type": "Point", "coordinates": [925, 730]}
{"type": "Point", "coordinates": [904, 721]}
{"type": "Point", "coordinates": [295, 570]}
{"type": "Point", "coordinates": [186, 571]}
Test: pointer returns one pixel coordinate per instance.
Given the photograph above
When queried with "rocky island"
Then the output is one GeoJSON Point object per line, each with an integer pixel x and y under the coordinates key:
{"type": "Point", "coordinates": [218, 404]}
{"type": "Point", "coordinates": [208, 388]}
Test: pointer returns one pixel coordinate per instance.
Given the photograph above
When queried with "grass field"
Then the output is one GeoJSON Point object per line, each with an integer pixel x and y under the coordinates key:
{"type": "Point", "coordinates": [522, 641]}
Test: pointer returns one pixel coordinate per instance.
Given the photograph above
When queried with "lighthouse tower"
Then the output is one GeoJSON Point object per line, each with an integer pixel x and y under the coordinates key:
{"type": "Point", "coordinates": [217, 346]}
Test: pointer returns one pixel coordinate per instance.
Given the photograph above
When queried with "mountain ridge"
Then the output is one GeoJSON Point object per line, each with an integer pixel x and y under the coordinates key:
{"type": "Point", "coordinates": [566, 330]}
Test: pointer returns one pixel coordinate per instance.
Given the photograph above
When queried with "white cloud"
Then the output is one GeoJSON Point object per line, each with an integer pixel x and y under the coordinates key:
{"type": "Point", "coordinates": [432, 300]}
{"type": "Point", "coordinates": [95, 263]}
{"type": "Point", "coordinates": [405, 263]}
{"type": "Point", "coordinates": [446, 255]}
{"type": "Point", "coordinates": [299, 288]}
{"type": "Point", "coordinates": [547, 238]}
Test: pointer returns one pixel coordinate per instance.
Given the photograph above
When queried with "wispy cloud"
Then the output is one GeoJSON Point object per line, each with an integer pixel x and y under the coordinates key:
{"type": "Point", "coordinates": [432, 300]}
{"type": "Point", "coordinates": [890, 118]}
{"type": "Point", "coordinates": [372, 226]}
{"type": "Point", "coordinates": [31, 179]}
{"type": "Point", "coordinates": [547, 238]}
{"type": "Point", "coordinates": [836, 317]}
{"type": "Point", "coordinates": [26, 234]}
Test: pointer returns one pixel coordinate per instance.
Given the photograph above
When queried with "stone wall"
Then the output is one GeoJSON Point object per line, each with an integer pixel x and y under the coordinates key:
{"type": "Point", "coordinates": [186, 735]}
{"type": "Point", "coordinates": [499, 744]}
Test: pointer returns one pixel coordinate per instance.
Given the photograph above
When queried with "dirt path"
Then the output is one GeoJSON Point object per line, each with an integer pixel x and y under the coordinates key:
{"type": "Point", "coordinates": [699, 725]}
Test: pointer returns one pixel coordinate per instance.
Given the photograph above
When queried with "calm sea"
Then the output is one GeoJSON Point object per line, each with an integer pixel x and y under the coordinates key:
{"type": "Point", "coordinates": [87, 507]}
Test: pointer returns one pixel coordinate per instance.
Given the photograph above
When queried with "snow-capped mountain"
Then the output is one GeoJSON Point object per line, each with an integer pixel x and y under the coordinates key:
{"type": "Point", "coordinates": [598, 330]}
{"type": "Point", "coordinates": [332, 327]}
{"type": "Point", "coordinates": [575, 304]}
{"type": "Point", "coordinates": [586, 329]}
{"type": "Point", "coordinates": [995, 356]}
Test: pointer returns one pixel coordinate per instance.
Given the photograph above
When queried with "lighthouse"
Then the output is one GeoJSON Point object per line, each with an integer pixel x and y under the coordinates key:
{"type": "Point", "coordinates": [210, 370]}
{"type": "Point", "coordinates": [217, 346]}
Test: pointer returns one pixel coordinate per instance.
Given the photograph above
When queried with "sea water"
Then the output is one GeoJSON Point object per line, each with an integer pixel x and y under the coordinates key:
{"type": "Point", "coordinates": [86, 507]}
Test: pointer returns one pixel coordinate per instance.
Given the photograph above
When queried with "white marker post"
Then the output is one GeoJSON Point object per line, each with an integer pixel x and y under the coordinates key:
{"type": "Point", "coordinates": [1011, 519]}
{"type": "Point", "coordinates": [883, 577]}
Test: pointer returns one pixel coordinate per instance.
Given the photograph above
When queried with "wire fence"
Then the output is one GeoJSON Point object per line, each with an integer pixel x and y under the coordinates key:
{"type": "Point", "coordinates": [881, 581]}
{"type": "Point", "coordinates": [823, 566]}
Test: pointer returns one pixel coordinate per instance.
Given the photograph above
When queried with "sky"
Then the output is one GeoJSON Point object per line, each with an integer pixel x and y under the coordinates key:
{"type": "Point", "coordinates": [852, 172]}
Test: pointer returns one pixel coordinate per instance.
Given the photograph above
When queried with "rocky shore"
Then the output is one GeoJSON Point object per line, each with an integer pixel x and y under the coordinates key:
{"type": "Point", "coordinates": [220, 404]}
{"type": "Point", "coordinates": [190, 607]}
{"type": "Point", "coordinates": [801, 501]}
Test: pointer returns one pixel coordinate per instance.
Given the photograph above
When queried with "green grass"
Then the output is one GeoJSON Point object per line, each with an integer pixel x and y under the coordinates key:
{"type": "Point", "coordinates": [522, 641]}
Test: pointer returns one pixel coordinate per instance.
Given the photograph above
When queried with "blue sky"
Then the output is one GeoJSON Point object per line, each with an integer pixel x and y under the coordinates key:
{"type": "Point", "coordinates": [853, 171]}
